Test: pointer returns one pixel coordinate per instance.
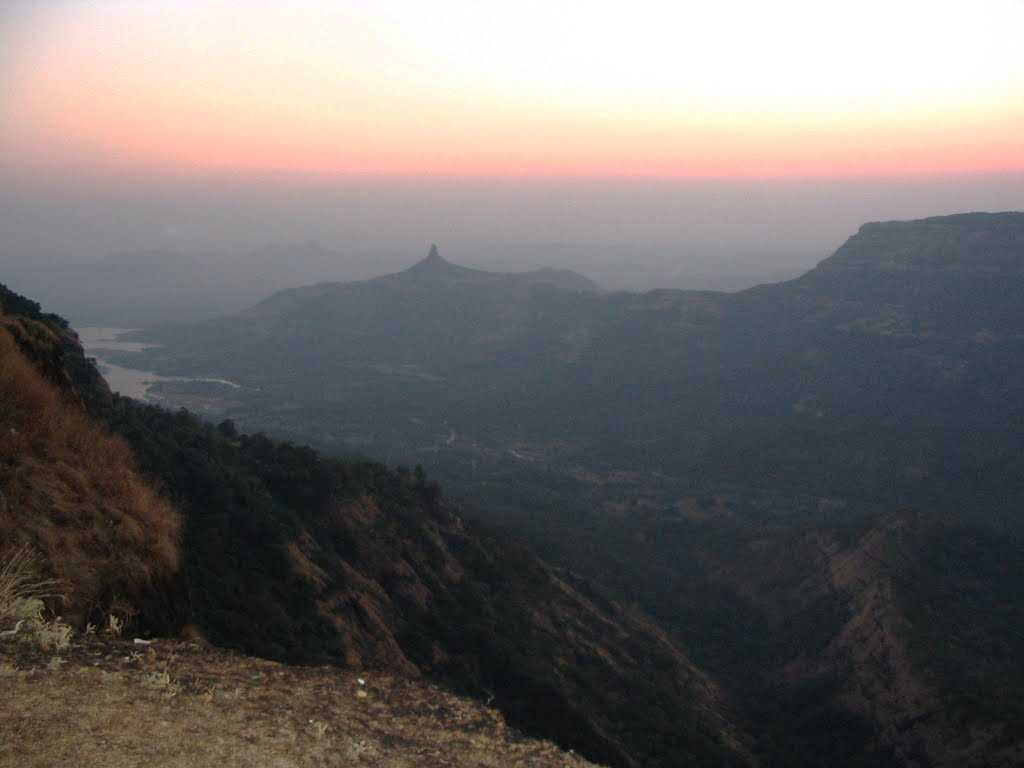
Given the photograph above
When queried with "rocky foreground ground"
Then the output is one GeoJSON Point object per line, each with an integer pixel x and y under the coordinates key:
{"type": "Point", "coordinates": [118, 702]}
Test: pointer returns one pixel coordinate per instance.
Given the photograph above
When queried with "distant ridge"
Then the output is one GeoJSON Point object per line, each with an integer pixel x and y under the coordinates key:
{"type": "Point", "coordinates": [987, 242]}
{"type": "Point", "coordinates": [436, 266]}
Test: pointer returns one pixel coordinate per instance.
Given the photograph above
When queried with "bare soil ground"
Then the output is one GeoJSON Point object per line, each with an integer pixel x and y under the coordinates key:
{"type": "Point", "coordinates": [118, 703]}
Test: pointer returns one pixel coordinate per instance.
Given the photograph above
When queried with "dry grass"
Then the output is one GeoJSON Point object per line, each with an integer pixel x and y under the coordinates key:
{"type": "Point", "coordinates": [177, 704]}
{"type": "Point", "coordinates": [70, 490]}
{"type": "Point", "coordinates": [22, 592]}
{"type": "Point", "coordinates": [21, 585]}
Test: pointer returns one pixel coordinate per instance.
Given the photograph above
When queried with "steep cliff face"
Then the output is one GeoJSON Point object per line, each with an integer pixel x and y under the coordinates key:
{"type": "Point", "coordinates": [895, 640]}
{"type": "Point", "coordinates": [926, 653]}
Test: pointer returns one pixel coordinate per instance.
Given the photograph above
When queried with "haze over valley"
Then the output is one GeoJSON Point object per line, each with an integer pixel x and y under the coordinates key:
{"type": "Point", "coordinates": [637, 386]}
{"type": "Point", "coordinates": [143, 252]}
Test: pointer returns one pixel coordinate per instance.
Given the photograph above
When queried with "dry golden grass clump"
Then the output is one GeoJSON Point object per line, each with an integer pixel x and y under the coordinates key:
{"type": "Point", "coordinates": [21, 585]}
{"type": "Point", "coordinates": [70, 491]}
{"type": "Point", "coordinates": [22, 592]}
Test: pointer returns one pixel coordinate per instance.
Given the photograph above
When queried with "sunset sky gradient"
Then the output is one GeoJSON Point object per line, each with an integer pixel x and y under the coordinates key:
{"type": "Point", "coordinates": [724, 89]}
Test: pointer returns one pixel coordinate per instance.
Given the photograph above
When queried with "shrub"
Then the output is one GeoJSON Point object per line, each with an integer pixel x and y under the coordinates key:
{"type": "Point", "coordinates": [22, 592]}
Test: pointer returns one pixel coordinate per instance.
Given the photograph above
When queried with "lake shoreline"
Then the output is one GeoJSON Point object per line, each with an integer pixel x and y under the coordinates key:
{"type": "Point", "coordinates": [130, 382]}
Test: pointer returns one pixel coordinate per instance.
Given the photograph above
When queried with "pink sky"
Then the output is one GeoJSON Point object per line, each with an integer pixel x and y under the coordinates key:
{"type": "Point", "coordinates": [639, 89]}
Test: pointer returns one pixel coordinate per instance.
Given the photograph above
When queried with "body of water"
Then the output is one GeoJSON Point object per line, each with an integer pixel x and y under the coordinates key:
{"type": "Point", "coordinates": [130, 382]}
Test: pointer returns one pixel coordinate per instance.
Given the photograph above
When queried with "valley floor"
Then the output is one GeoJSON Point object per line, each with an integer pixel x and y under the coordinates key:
{"type": "Point", "coordinates": [116, 703]}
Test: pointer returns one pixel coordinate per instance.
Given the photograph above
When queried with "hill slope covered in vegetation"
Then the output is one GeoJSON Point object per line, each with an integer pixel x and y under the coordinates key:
{"type": "Point", "coordinates": [288, 555]}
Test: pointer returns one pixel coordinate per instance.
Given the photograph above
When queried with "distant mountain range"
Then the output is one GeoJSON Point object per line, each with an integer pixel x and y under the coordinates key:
{"type": "Point", "coordinates": [155, 286]}
{"type": "Point", "coordinates": [907, 341]}
{"type": "Point", "coordinates": [813, 486]}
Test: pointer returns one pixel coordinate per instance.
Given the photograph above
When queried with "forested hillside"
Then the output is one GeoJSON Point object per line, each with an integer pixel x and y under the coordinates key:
{"type": "Point", "coordinates": [291, 556]}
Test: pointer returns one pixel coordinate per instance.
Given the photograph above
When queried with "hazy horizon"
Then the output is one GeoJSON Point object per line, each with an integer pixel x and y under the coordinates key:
{"type": "Point", "coordinates": [655, 145]}
{"type": "Point", "coordinates": [720, 224]}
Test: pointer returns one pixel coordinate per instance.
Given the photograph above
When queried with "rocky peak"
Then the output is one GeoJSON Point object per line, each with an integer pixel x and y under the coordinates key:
{"type": "Point", "coordinates": [432, 261]}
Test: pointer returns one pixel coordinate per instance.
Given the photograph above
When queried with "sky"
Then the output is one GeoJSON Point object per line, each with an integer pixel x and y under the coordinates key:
{"type": "Point", "coordinates": [668, 127]}
{"type": "Point", "coordinates": [724, 89]}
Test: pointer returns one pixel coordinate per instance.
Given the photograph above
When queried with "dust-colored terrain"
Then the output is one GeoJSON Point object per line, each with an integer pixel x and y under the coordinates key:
{"type": "Point", "coordinates": [113, 702]}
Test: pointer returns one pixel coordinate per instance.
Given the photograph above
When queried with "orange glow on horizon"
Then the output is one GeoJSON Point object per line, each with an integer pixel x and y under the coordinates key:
{"type": "Point", "coordinates": [226, 87]}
